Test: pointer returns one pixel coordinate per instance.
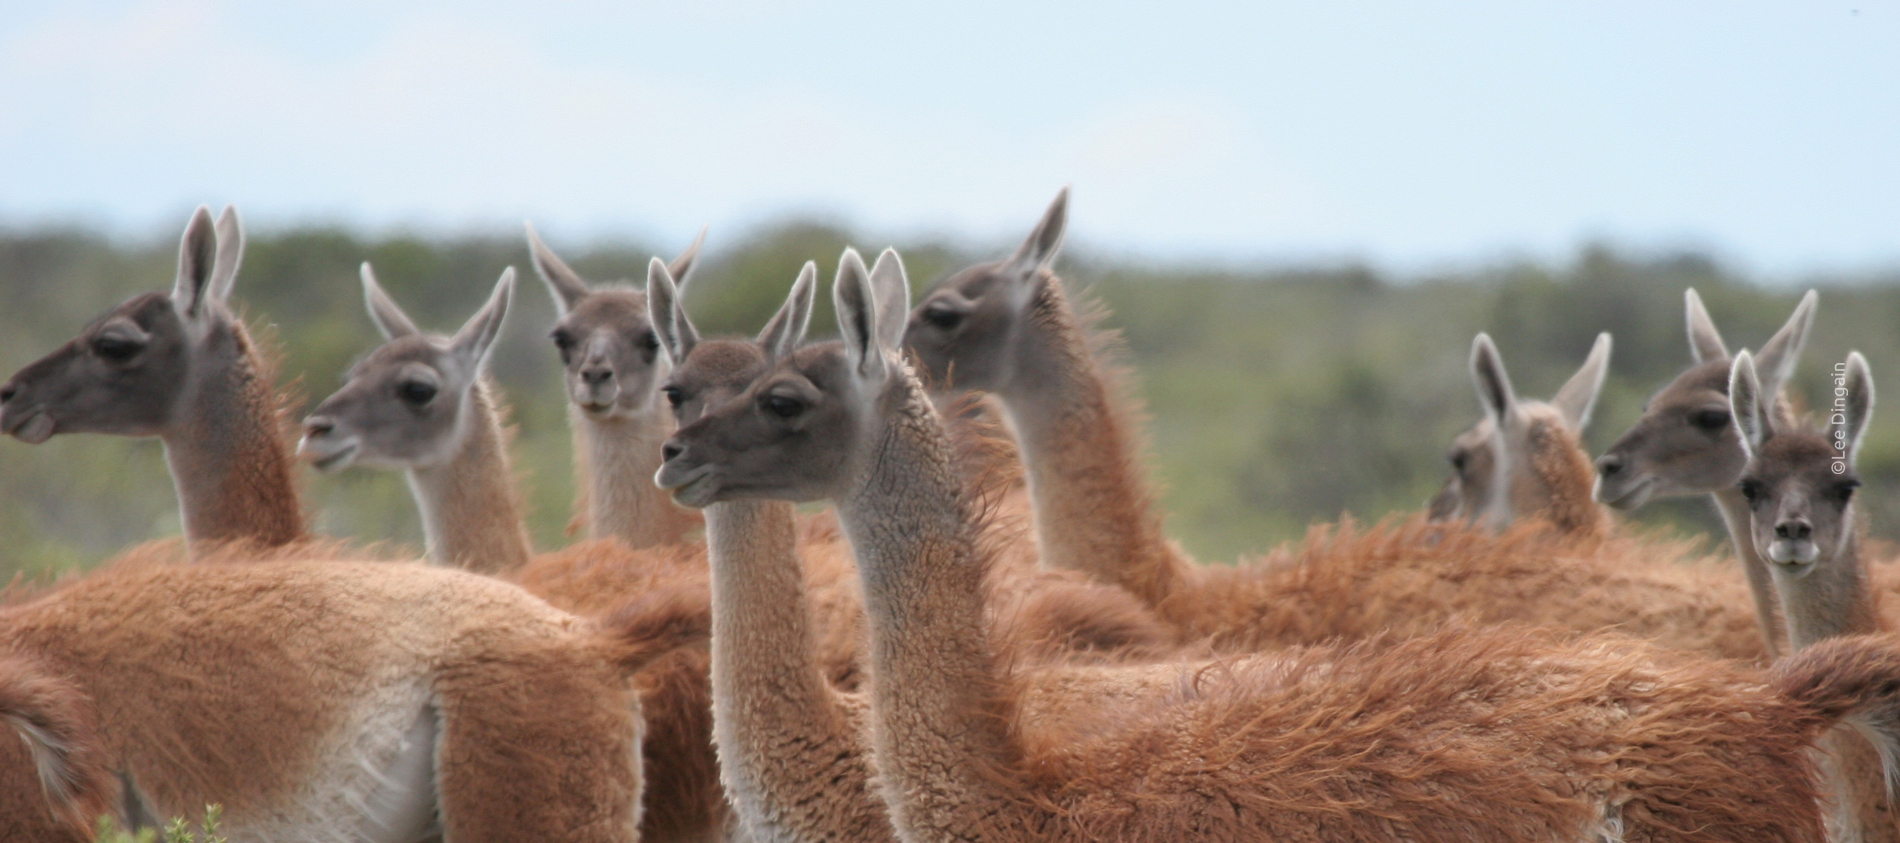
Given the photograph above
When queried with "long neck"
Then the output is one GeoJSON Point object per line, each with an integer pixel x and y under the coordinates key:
{"type": "Point", "coordinates": [231, 468]}
{"type": "Point", "coordinates": [1092, 509]}
{"type": "Point", "coordinates": [792, 759]}
{"type": "Point", "coordinates": [1734, 509]}
{"type": "Point", "coordinates": [471, 517]}
{"type": "Point", "coordinates": [615, 459]}
{"type": "Point", "coordinates": [1831, 599]}
{"type": "Point", "coordinates": [938, 723]}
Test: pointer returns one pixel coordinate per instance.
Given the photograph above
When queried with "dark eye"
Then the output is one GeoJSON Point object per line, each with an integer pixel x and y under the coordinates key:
{"type": "Point", "coordinates": [565, 342]}
{"type": "Point", "coordinates": [1842, 492]}
{"type": "Point", "coordinates": [782, 406]}
{"type": "Point", "coordinates": [1753, 490]}
{"type": "Point", "coordinates": [674, 395]}
{"type": "Point", "coordinates": [649, 342]}
{"type": "Point", "coordinates": [116, 349]}
{"type": "Point", "coordinates": [1459, 460]}
{"type": "Point", "coordinates": [1709, 420]}
{"type": "Point", "coordinates": [942, 317]}
{"type": "Point", "coordinates": [415, 392]}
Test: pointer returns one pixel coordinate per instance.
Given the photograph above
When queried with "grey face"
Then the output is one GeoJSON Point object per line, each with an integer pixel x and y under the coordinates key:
{"type": "Point", "coordinates": [1473, 461]}
{"type": "Point", "coordinates": [1800, 509]}
{"type": "Point", "coordinates": [1685, 443]}
{"type": "Point", "coordinates": [965, 331]}
{"type": "Point", "coordinates": [401, 408]}
{"type": "Point", "coordinates": [787, 436]}
{"type": "Point", "coordinates": [611, 353]}
{"type": "Point", "coordinates": [122, 375]}
{"type": "Point", "coordinates": [713, 374]}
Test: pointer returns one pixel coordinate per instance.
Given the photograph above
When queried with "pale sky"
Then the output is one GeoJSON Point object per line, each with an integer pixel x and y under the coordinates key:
{"type": "Point", "coordinates": [1407, 134]}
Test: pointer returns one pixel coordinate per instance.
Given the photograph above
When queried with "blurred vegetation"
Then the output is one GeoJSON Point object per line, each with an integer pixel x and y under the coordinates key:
{"type": "Point", "coordinates": [1278, 396]}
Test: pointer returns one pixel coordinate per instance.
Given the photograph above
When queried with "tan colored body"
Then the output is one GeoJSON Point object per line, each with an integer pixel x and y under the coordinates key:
{"type": "Point", "coordinates": [1499, 734]}
{"type": "Point", "coordinates": [305, 697]}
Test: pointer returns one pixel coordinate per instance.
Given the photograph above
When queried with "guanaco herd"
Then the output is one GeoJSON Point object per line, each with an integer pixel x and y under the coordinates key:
{"type": "Point", "coordinates": [984, 638]}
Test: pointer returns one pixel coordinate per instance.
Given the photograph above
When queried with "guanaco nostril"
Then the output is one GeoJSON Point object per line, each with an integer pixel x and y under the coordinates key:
{"type": "Point", "coordinates": [1609, 465]}
{"type": "Point", "coordinates": [671, 450]}
{"type": "Point", "coordinates": [596, 377]}
{"type": "Point", "coordinates": [1793, 530]}
{"type": "Point", "coordinates": [318, 426]}
{"type": "Point", "coordinates": [7, 392]}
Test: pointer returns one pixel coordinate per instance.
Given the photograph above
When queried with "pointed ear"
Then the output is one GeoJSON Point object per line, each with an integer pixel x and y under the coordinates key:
{"type": "Point", "coordinates": [1039, 251]}
{"type": "Point", "coordinates": [563, 283]}
{"type": "Point", "coordinates": [682, 266]}
{"type": "Point", "coordinates": [893, 299]}
{"type": "Point", "coordinates": [1850, 425]}
{"type": "Point", "coordinates": [675, 331]}
{"type": "Point", "coordinates": [472, 343]}
{"type": "Point", "coordinates": [856, 303]}
{"type": "Point", "coordinates": [1705, 342]}
{"type": "Point", "coordinates": [383, 311]}
{"type": "Point", "coordinates": [1745, 404]}
{"type": "Point", "coordinates": [230, 254]}
{"type": "Point", "coordinates": [197, 255]}
{"type": "Point", "coordinates": [787, 328]}
{"type": "Point", "coordinates": [1782, 352]}
{"type": "Point", "coordinates": [1494, 384]}
{"type": "Point", "coordinates": [1579, 395]}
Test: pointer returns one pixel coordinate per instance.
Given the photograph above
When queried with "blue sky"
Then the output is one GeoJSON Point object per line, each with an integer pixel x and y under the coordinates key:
{"type": "Point", "coordinates": [1405, 134]}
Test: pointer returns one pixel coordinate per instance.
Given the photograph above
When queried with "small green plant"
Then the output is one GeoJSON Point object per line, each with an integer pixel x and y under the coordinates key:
{"type": "Point", "coordinates": [179, 830]}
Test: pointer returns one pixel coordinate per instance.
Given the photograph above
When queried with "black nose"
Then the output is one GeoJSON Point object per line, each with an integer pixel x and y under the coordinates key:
{"type": "Point", "coordinates": [1609, 464]}
{"type": "Point", "coordinates": [318, 426]}
{"type": "Point", "coordinates": [1795, 529]}
{"type": "Point", "coordinates": [596, 377]}
{"type": "Point", "coordinates": [671, 449]}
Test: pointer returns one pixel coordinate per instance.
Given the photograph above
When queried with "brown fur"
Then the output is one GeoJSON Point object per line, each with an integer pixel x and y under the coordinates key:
{"type": "Point", "coordinates": [1495, 734]}
{"type": "Point", "coordinates": [54, 719]}
{"type": "Point", "coordinates": [237, 684]}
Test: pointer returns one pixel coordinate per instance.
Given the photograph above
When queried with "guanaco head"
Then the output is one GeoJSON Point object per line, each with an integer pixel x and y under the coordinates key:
{"type": "Point", "coordinates": [130, 371]}
{"type": "Point", "coordinates": [800, 431]}
{"type": "Point", "coordinates": [1800, 483]}
{"type": "Point", "coordinates": [967, 329]}
{"type": "Point", "coordinates": [1524, 458]}
{"type": "Point", "coordinates": [712, 372]}
{"type": "Point", "coordinates": [408, 403]}
{"type": "Point", "coordinates": [1686, 443]}
{"type": "Point", "coordinates": [609, 347]}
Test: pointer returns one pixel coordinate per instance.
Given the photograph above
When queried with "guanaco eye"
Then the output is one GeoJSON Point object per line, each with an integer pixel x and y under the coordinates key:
{"type": "Point", "coordinates": [1842, 492]}
{"type": "Point", "coordinates": [563, 341]}
{"type": "Point", "coordinates": [782, 406]}
{"type": "Point", "coordinates": [942, 317]}
{"type": "Point", "coordinates": [649, 342]}
{"type": "Point", "coordinates": [1753, 490]}
{"type": "Point", "coordinates": [1459, 461]}
{"type": "Point", "coordinates": [674, 395]}
{"type": "Point", "coordinates": [1709, 420]}
{"type": "Point", "coordinates": [116, 349]}
{"type": "Point", "coordinates": [415, 392]}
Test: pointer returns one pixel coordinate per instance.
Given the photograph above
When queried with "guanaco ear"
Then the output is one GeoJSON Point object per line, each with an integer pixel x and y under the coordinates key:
{"type": "Point", "coordinates": [1494, 384]}
{"type": "Point", "coordinates": [197, 255]}
{"type": "Point", "coordinates": [389, 318]}
{"type": "Point", "coordinates": [563, 283]}
{"type": "Point", "coordinates": [893, 299]}
{"type": "Point", "coordinates": [676, 332]}
{"type": "Point", "coordinates": [1850, 425]}
{"type": "Point", "coordinates": [1745, 404]}
{"type": "Point", "coordinates": [787, 328]}
{"type": "Point", "coordinates": [224, 269]}
{"type": "Point", "coordinates": [1579, 395]}
{"type": "Point", "coordinates": [472, 343]}
{"type": "Point", "coordinates": [682, 266]}
{"type": "Point", "coordinates": [856, 304]}
{"type": "Point", "coordinates": [1040, 250]}
{"type": "Point", "coordinates": [1778, 356]}
{"type": "Point", "coordinates": [1705, 342]}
